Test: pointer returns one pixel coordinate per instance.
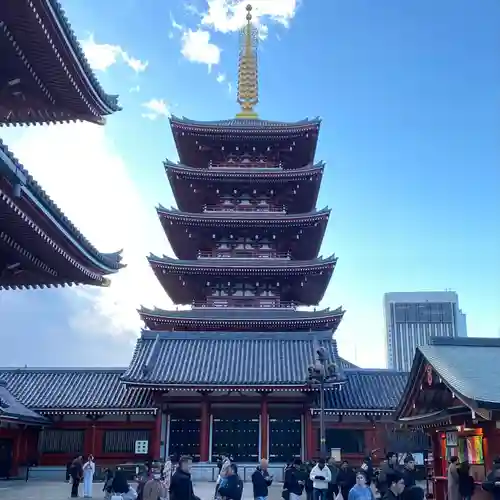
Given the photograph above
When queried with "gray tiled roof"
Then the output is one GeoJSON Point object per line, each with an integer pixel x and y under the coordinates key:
{"type": "Point", "coordinates": [245, 313]}
{"type": "Point", "coordinates": [228, 266]}
{"type": "Point", "coordinates": [470, 366]}
{"type": "Point", "coordinates": [74, 389]}
{"type": "Point", "coordinates": [244, 218]}
{"type": "Point", "coordinates": [367, 389]}
{"type": "Point", "coordinates": [247, 124]}
{"type": "Point", "coordinates": [226, 359]}
{"type": "Point", "coordinates": [239, 172]}
{"type": "Point", "coordinates": [11, 408]}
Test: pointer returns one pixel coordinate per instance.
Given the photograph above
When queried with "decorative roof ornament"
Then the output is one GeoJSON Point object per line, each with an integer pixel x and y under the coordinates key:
{"type": "Point", "coordinates": [248, 81]}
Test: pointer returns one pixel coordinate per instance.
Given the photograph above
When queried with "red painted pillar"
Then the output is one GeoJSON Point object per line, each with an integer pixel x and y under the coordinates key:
{"type": "Point", "coordinates": [205, 431]}
{"type": "Point", "coordinates": [264, 427]}
{"type": "Point", "coordinates": [155, 444]}
{"type": "Point", "coordinates": [309, 435]}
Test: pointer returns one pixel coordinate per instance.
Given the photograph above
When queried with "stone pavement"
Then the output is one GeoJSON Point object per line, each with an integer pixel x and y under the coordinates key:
{"type": "Point", "coordinates": [44, 490]}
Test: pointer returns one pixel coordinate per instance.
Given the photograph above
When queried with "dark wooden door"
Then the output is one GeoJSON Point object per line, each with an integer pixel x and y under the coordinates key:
{"type": "Point", "coordinates": [185, 438]}
{"type": "Point", "coordinates": [285, 439]}
{"type": "Point", "coordinates": [5, 457]}
{"type": "Point", "coordinates": [238, 437]}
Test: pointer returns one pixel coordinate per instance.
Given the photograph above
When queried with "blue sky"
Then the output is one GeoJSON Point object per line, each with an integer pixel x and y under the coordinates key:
{"type": "Point", "coordinates": [408, 92]}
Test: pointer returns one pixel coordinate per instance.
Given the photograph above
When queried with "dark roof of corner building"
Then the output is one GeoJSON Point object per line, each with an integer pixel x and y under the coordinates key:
{"type": "Point", "coordinates": [246, 124]}
{"type": "Point", "coordinates": [14, 171]}
{"type": "Point", "coordinates": [11, 409]}
{"type": "Point", "coordinates": [75, 390]}
{"type": "Point", "coordinates": [366, 390]}
{"type": "Point", "coordinates": [469, 366]}
{"type": "Point", "coordinates": [227, 359]}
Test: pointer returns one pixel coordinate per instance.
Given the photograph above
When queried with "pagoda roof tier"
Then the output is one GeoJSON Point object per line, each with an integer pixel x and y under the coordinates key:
{"type": "Point", "coordinates": [198, 142]}
{"type": "Point", "coordinates": [242, 319]}
{"type": "Point", "coordinates": [195, 187]}
{"type": "Point", "coordinates": [226, 361]}
{"type": "Point", "coordinates": [299, 234]}
{"type": "Point", "coordinates": [11, 410]}
{"type": "Point", "coordinates": [39, 246]}
{"type": "Point", "coordinates": [76, 390]}
{"type": "Point", "coordinates": [303, 282]}
{"type": "Point", "coordinates": [45, 75]}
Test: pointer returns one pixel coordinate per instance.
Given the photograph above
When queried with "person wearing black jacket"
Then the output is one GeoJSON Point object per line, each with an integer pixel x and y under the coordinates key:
{"type": "Point", "coordinates": [76, 471]}
{"type": "Point", "coordinates": [261, 480]}
{"type": "Point", "coordinates": [395, 486]}
{"type": "Point", "coordinates": [294, 481]}
{"type": "Point", "coordinates": [181, 485]}
{"type": "Point", "coordinates": [409, 471]}
{"type": "Point", "coordinates": [346, 479]}
{"type": "Point", "coordinates": [232, 488]}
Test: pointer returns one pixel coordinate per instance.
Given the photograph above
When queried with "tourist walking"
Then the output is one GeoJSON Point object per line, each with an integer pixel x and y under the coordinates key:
{"type": "Point", "coordinates": [261, 480]}
{"type": "Point", "coordinates": [409, 471]}
{"type": "Point", "coordinates": [361, 490]}
{"type": "Point", "coordinates": [167, 476]}
{"type": "Point", "coordinates": [466, 484]}
{"type": "Point", "coordinates": [232, 487]}
{"type": "Point", "coordinates": [181, 485]}
{"type": "Point", "coordinates": [76, 472]}
{"type": "Point", "coordinates": [153, 489]}
{"type": "Point", "coordinates": [321, 477]}
{"type": "Point", "coordinates": [108, 484]}
{"type": "Point", "coordinates": [346, 479]}
{"type": "Point", "coordinates": [388, 467]}
{"type": "Point", "coordinates": [453, 479]}
{"type": "Point", "coordinates": [294, 481]}
{"type": "Point", "coordinates": [121, 488]}
{"type": "Point", "coordinates": [332, 486]}
{"type": "Point", "coordinates": [88, 476]}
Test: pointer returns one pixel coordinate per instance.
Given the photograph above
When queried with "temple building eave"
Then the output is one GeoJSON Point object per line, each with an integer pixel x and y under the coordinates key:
{"type": "Point", "coordinates": [46, 31]}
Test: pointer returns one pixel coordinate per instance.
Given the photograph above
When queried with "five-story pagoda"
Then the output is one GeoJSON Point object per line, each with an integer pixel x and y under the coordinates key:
{"type": "Point", "coordinates": [231, 371]}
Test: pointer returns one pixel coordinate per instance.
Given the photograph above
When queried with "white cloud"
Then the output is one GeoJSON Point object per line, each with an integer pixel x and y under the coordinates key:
{"type": "Point", "coordinates": [137, 88]}
{"type": "Point", "coordinates": [156, 109]}
{"type": "Point", "coordinates": [230, 87]}
{"type": "Point", "coordinates": [176, 25]}
{"type": "Point", "coordinates": [229, 15]}
{"type": "Point", "coordinates": [103, 55]}
{"type": "Point", "coordinates": [221, 77]}
{"type": "Point", "coordinates": [79, 167]}
{"type": "Point", "coordinates": [196, 47]}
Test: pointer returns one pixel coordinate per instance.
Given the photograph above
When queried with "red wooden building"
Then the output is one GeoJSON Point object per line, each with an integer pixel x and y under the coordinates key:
{"type": "Point", "coordinates": [453, 394]}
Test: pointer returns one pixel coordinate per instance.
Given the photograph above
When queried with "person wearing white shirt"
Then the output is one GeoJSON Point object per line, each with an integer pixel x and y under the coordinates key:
{"type": "Point", "coordinates": [88, 477]}
{"type": "Point", "coordinates": [321, 477]}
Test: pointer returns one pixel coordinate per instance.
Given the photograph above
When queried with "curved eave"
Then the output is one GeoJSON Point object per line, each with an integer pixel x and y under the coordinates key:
{"type": "Point", "coordinates": [243, 126]}
{"type": "Point", "coordinates": [48, 23]}
{"type": "Point", "coordinates": [44, 275]}
{"type": "Point", "coordinates": [203, 315]}
{"type": "Point", "coordinates": [239, 219]}
{"type": "Point", "coordinates": [108, 103]}
{"type": "Point", "coordinates": [230, 267]}
{"type": "Point", "coordinates": [14, 171]}
{"type": "Point", "coordinates": [239, 174]}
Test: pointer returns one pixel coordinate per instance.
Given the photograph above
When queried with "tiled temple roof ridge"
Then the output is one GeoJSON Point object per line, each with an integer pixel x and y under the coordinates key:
{"type": "Point", "coordinates": [20, 174]}
{"type": "Point", "coordinates": [306, 169]}
{"type": "Point", "coordinates": [242, 216]}
{"type": "Point", "coordinates": [245, 124]}
{"type": "Point", "coordinates": [238, 263]}
{"type": "Point", "coordinates": [236, 336]}
{"type": "Point", "coordinates": [59, 14]}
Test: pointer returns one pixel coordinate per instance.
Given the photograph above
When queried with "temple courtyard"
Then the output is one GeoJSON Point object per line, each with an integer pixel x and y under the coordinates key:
{"type": "Point", "coordinates": [56, 490]}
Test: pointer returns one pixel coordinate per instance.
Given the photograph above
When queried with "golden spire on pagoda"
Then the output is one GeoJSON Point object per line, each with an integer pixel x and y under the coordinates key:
{"type": "Point", "coordinates": [248, 81]}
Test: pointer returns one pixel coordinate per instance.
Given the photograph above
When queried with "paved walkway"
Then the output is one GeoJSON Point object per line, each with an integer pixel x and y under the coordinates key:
{"type": "Point", "coordinates": [42, 490]}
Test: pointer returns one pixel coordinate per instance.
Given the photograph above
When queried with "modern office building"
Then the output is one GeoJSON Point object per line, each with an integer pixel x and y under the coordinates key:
{"type": "Point", "coordinates": [411, 318]}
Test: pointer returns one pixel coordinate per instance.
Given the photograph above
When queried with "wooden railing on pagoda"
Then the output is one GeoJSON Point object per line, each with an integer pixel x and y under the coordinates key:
{"type": "Point", "coordinates": [246, 302]}
{"type": "Point", "coordinates": [245, 164]}
{"type": "Point", "coordinates": [243, 254]}
{"type": "Point", "coordinates": [245, 208]}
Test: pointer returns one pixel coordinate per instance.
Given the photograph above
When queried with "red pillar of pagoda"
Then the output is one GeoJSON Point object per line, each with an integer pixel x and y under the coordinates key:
{"type": "Point", "coordinates": [264, 427]}
{"type": "Point", "coordinates": [205, 431]}
{"type": "Point", "coordinates": [155, 447]}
